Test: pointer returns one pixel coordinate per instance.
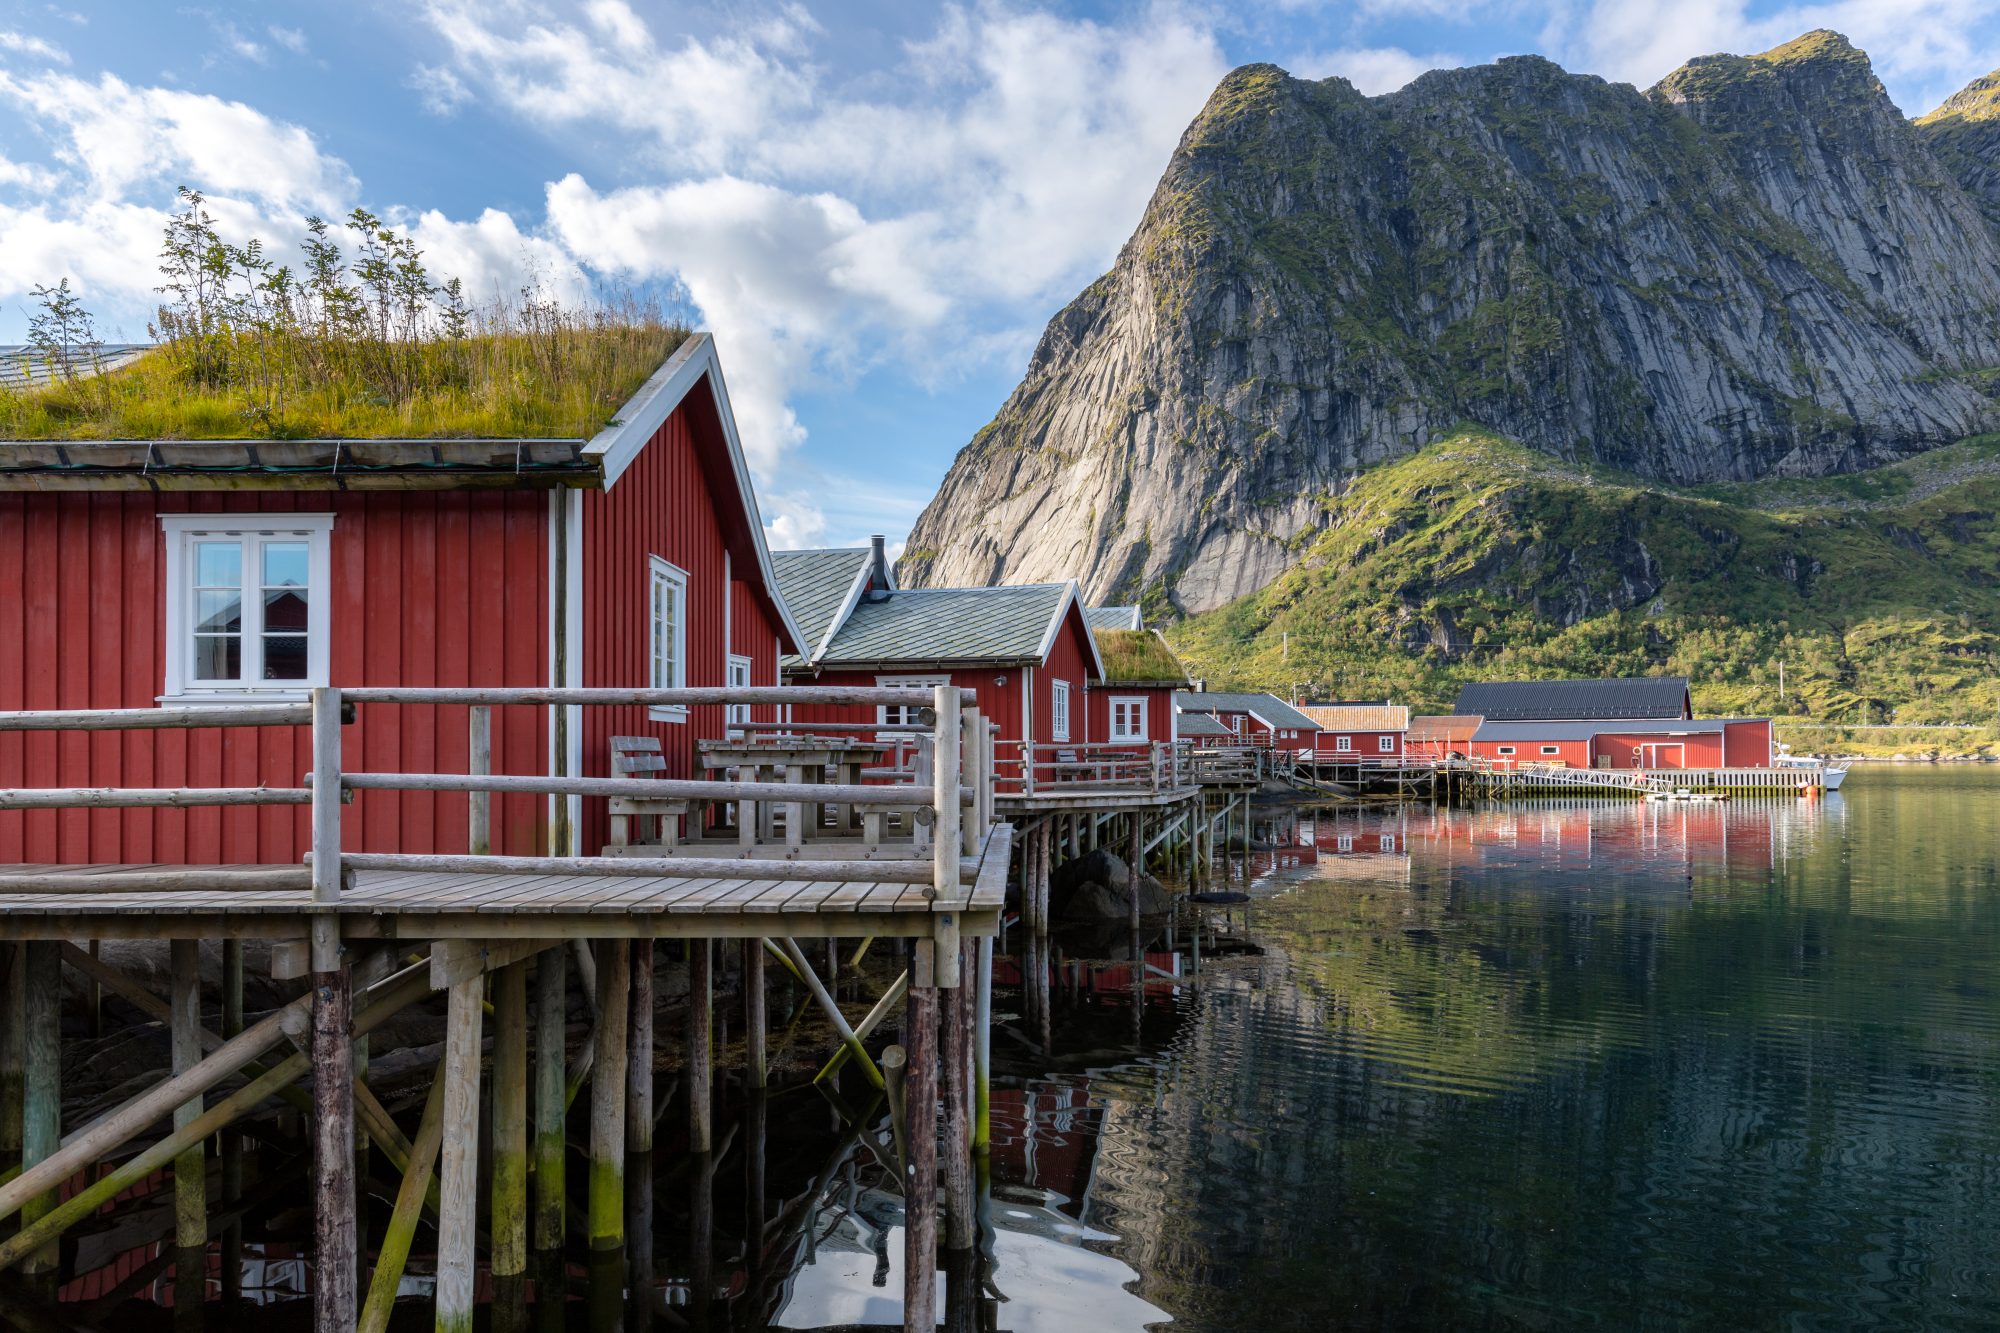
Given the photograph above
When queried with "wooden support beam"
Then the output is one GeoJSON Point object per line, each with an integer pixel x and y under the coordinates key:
{"type": "Point", "coordinates": [479, 743]}
{"type": "Point", "coordinates": [41, 1104]}
{"type": "Point", "coordinates": [458, 1225]}
{"type": "Point", "coordinates": [394, 1253]}
{"type": "Point", "coordinates": [662, 789]}
{"type": "Point", "coordinates": [803, 970]}
{"type": "Point", "coordinates": [336, 1247]}
{"type": "Point", "coordinates": [551, 1100]}
{"type": "Point", "coordinates": [701, 1045]}
{"type": "Point", "coordinates": [13, 1049]}
{"type": "Point", "coordinates": [137, 719]}
{"type": "Point", "coordinates": [606, 1216]}
{"type": "Point", "coordinates": [639, 1056]}
{"type": "Point", "coordinates": [453, 961]}
{"type": "Point", "coordinates": [190, 1168]}
{"type": "Point", "coordinates": [955, 1049]}
{"type": "Point", "coordinates": [920, 1186]}
{"type": "Point", "coordinates": [231, 1140]}
{"type": "Point", "coordinates": [755, 1018]}
{"type": "Point", "coordinates": [945, 793]}
{"type": "Point", "coordinates": [874, 1018]}
{"type": "Point", "coordinates": [982, 1051]}
{"type": "Point", "coordinates": [122, 798]}
{"type": "Point", "coordinates": [509, 1207]}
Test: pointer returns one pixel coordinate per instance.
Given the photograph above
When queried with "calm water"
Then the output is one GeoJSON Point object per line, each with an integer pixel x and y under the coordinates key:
{"type": "Point", "coordinates": [1616, 1065]}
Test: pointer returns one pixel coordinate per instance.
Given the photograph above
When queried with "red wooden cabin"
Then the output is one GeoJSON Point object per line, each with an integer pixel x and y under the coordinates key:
{"type": "Point", "coordinates": [1629, 743]}
{"type": "Point", "coordinates": [168, 572]}
{"type": "Point", "coordinates": [1254, 719]}
{"type": "Point", "coordinates": [1359, 731]}
{"type": "Point", "coordinates": [1132, 702]}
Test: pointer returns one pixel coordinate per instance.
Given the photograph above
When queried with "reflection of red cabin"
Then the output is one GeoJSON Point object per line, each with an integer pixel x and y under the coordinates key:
{"type": "Point", "coordinates": [635, 558]}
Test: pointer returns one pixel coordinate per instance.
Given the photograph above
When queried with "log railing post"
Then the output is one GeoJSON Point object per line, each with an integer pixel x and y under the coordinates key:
{"type": "Point", "coordinates": [326, 794]}
{"type": "Point", "coordinates": [944, 793]}
{"type": "Point", "coordinates": [479, 815]}
{"type": "Point", "coordinates": [41, 1110]}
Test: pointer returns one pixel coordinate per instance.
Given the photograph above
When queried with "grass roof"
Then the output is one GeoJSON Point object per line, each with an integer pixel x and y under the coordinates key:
{"type": "Point", "coordinates": [565, 382]}
{"type": "Point", "coordinates": [1136, 656]}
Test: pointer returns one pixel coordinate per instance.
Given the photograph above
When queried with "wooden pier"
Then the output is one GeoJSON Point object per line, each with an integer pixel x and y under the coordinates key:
{"type": "Point", "coordinates": [348, 923]}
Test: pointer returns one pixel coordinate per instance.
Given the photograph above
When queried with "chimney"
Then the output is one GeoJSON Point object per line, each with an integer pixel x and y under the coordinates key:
{"type": "Point", "coordinates": [878, 566]}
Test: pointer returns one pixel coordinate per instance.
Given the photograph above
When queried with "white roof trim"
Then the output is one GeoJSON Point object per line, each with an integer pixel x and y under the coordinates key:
{"type": "Point", "coordinates": [1072, 597]}
{"type": "Point", "coordinates": [615, 447]}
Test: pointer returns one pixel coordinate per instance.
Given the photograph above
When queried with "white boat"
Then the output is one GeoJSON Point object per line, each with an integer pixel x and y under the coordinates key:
{"type": "Point", "coordinates": [1831, 774]}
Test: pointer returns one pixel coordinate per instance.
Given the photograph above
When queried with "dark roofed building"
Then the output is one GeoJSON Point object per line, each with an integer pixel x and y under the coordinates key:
{"type": "Point", "coordinates": [1638, 698]}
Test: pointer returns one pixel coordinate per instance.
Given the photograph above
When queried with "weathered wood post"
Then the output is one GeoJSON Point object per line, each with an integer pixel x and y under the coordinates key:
{"type": "Point", "coordinates": [639, 1066]}
{"type": "Point", "coordinates": [190, 1167]}
{"type": "Point", "coordinates": [232, 1139]}
{"type": "Point", "coordinates": [920, 1101]}
{"type": "Point", "coordinates": [955, 1044]}
{"type": "Point", "coordinates": [509, 1208]}
{"type": "Point", "coordinates": [458, 1176]}
{"type": "Point", "coordinates": [479, 821]}
{"type": "Point", "coordinates": [335, 1281]}
{"type": "Point", "coordinates": [551, 1096]}
{"type": "Point", "coordinates": [13, 1051]}
{"type": "Point", "coordinates": [701, 1045]}
{"type": "Point", "coordinates": [41, 1093]}
{"type": "Point", "coordinates": [755, 1020]}
{"type": "Point", "coordinates": [982, 1054]}
{"type": "Point", "coordinates": [606, 1216]}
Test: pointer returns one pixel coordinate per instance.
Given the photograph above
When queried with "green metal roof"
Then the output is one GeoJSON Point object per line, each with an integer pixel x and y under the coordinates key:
{"type": "Point", "coordinates": [1009, 624]}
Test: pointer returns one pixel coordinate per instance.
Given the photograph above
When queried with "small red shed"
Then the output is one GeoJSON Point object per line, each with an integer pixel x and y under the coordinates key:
{"type": "Point", "coordinates": [191, 572]}
{"type": "Point", "coordinates": [1133, 701]}
{"type": "Point", "coordinates": [1358, 731]}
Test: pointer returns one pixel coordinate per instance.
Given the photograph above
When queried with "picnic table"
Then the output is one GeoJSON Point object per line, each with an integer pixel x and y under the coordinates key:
{"type": "Point", "coordinates": [798, 759]}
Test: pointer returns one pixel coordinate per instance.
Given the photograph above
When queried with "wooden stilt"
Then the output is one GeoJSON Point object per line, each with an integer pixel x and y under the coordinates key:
{"type": "Point", "coordinates": [334, 1222]}
{"type": "Point", "coordinates": [606, 1219]}
{"type": "Point", "coordinates": [755, 1019]}
{"type": "Point", "coordinates": [920, 1188]}
{"type": "Point", "coordinates": [509, 1208]}
{"type": "Point", "coordinates": [458, 1177]}
{"type": "Point", "coordinates": [551, 1096]}
{"type": "Point", "coordinates": [13, 1050]}
{"type": "Point", "coordinates": [955, 1048]}
{"type": "Point", "coordinates": [982, 1051]}
{"type": "Point", "coordinates": [191, 1166]}
{"type": "Point", "coordinates": [232, 1140]}
{"type": "Point", "coordinates": [701, 1054]}
{"type": "Point", "coordinates": [395, 1250]}
{"type": "Point", "coordinates": [639, 1059]}
{"type": "Point", "coordinates": [41, 1093]}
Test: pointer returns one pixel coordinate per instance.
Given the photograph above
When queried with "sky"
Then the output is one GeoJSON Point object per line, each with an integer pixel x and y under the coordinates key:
{"type": "Point", "coordinates": [874, 205]}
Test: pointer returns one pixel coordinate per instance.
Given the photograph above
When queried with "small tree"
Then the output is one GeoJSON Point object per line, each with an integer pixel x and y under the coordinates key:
{"type": "Point", "coordinates": [61, 329]}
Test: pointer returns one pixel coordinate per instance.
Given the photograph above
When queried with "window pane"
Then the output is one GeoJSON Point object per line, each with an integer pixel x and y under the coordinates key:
{"type": "Point", "coordinates": [218, 657]}
{"type": "Point", "coordinates": [218, 564]}
{"type": "Point", "coordinates": [285, 564]}
{"type": "Point", "coordinates": [284, 657]}
{"type": "Point", "coordinates": [284, 609]}
{"type": "Point", "coordinates": [218, 612]}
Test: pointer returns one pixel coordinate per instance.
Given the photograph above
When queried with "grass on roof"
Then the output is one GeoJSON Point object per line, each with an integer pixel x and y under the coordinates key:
{"type": "Point", "coordinates": [1133, 655]}
{"type": "Point", "coordinates": [566, 382]}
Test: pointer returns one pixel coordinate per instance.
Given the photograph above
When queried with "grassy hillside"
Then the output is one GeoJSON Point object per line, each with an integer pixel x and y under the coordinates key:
{"type": "Point", "coordinates": [1475, 558]}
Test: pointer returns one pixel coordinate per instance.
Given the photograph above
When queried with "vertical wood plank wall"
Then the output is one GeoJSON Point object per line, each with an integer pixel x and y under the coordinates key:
{"type": "Point", "coordinates": [429, 588]}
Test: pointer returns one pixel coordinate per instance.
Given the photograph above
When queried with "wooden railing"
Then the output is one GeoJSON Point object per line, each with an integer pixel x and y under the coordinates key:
{"type": "Point", "coordinates": [1150, 767]}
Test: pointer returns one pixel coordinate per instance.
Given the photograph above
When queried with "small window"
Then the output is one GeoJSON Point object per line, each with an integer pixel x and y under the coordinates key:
{"type": "Point", "coordinates": [739, 678]}
{"type": "Point", "coordinates": [1346, 842]}
{"type": "Point", "coordinates": [1343, 743]}
{"type": "Point", "coordinates": [248, 607]}
{"type": "Point", "coordinates": [1128, 719]}
{"type": "Point", "coordinates": [666, 667]}
{"type": "Point", "coordinates": [1059, 710]}
{"type": "Point", "coordinates": [892, 715]}
{"type": "Point", "coordinates": [1505, 749]}
{"type": "Point", "coordinates": [1552, 749]}
{"type": "Point", "coordinates": [1386, 841]}
{"type": "Point", "coordinates": [1386, 744]}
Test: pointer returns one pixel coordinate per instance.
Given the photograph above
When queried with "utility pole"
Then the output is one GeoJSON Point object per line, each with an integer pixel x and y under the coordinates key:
{"type": "Point", "coordinates": [1781, 680]}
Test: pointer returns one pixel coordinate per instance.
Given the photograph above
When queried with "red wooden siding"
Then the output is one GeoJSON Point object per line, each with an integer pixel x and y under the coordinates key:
{"type": "Point", "coordinates": [1068, 660]}
{"type": "Point", "coordinates": [1367, 743]}
{"type": "Point", "coordinates": [446, 588]}
{"type": "Point", "coordinates": [1572, 754]}
{"type": "Point", "coordinates": [1747, 744]}
{"type": "Point", "coordinates": [1159, 710]}
{"type": "Point", "coordinates": [1000, 703]}
{"type": "Point", "coordinates": [663, 505]}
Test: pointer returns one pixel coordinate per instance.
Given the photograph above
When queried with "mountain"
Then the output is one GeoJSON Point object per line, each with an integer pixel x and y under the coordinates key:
{"type": "Point", "coordinates": [1757, 268]}
{"type": "Point", "coordinates": [1964, 135]}
{"type": "Point", "coordinates": [1476, 557]}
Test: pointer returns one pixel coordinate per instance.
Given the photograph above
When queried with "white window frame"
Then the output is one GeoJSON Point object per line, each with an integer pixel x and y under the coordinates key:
{"type": "Point", "coordinates": [1136, 704]}
{"type": "Point", "coordinates": [736, 673]}
{"type": "Point", "coordinates": [1386, 744]}
{"type": "Point", "coordinates": [182, 531]}
{"type": "Point", "coordinates": [887, 715]}
{"type": "Point", "coordinates": [1343, 744]}
{"type": "Point", "coordinates": [1552, 749]}
{"type": "Point", "coordinates": [663, 573]}
{"type": "Point", "coordinates": [1503, 749]}
{"type": "Point", "coordinates": [1059, 719]}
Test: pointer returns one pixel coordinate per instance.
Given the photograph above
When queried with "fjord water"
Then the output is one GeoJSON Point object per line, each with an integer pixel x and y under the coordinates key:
{"type": "Point", "coordinates": [1598, 1065]}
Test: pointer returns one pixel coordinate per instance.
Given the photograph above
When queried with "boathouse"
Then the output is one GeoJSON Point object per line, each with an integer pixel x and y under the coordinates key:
{"type": "Point", "coordinates": [1132, 702]}
{"type": "Point", "coordinates": [1650, 698]}
{"type": "Point", "coordinates": [196, 573]}
{"type": "Point", "coordinates": [1359, 731]}
{"type": "Point", "coordinates": [1254, 719]}
{"type": "Point", "coordinates": [1677, 743]}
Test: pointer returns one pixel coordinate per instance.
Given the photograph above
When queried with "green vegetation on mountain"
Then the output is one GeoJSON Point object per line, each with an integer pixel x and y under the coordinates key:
{"type": "Point", "coordinates": [1476, 558]}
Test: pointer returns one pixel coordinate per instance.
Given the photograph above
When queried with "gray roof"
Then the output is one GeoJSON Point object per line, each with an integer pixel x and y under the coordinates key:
{"type": "Point", "coordinates": [22, 365]}
{"type": "Point", "coordinates": [1269, 708]}
{"type": "Point", "coordinates": [1575, 700]}
{"type": "Point", "coordinates": [998, 625]}
{"type": "Point", "coordinates": [815, 585]}
{"type": "Point", "coordinates": [1200, 724]}
{"type": "Point", "coordinates": [1112, 617]}
{"type": "Point", "coordinates": [1500, 730]}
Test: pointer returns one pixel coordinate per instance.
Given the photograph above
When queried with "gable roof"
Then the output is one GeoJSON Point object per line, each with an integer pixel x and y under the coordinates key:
{"type": "Point", "coordinates": [1442, 728]}
{"type": "Point", "coordinates": [1137, 657]}
{"type": "Point", "coordinates": [1015, 625]}
{"type": "Point", "coordinates": [1576, 700]}
{"type": "Point", "coordinates": [1112, 617]}
{"type": "Point", "coordinates": [1266, 708]}
{"type": "Point", "coordinates": [1199, 724]}
{"type": "Point", "coordinates": [23, 365]}
{"type": "Point", "coordinates": [1501, 730]}
{"type": "Point", "coordinates": [821, 587]}
{"type": "Point", "coordinates": [1358, 717]}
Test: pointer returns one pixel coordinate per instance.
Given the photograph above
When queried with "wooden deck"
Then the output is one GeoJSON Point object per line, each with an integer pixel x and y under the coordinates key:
{"type": "Point", "coordinates": [393, 904]}
{"type": "Point", "coordinates": [1085, 796]}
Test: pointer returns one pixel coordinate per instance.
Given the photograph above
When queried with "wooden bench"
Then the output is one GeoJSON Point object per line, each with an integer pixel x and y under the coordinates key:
{"type": "Point", "coordinates": [639, 756]}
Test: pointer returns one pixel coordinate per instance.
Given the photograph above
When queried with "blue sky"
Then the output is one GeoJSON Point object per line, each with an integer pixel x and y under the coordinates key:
{"type": "Point", "coordinates": [875, 206]}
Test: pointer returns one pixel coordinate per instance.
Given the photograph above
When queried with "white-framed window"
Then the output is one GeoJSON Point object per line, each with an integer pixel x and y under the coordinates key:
{"type": "Point", "coordinates": [1552, 749]}
{"type": "Point", "coordinates": [1386, 744]}
{"type": "Point", "coordinates": [666, 635]}
{"type": "Point", "coordinates": [1386, 842]}
{"type": "Point", "coordinates": [896, 714]}
{"type": "Point", "coordinates": [1504, 749]}
{"type": "Point", "coordinates": [249, 611]}
{"type": "Point", "coordinates": [738, 677]}
{"type": "Point", "coordinates": [1343, 743]}
{"type": "Point", "coordinates": [1128, 717]}
{"type": "Point", "coordinates": [1059, 710]}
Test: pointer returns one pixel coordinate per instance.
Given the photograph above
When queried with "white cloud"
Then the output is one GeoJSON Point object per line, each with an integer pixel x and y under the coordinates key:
{"type": "Point", "coordinates": [292, 39]}
{"type": "Point", "coordinates": [441, 91]}
{"type": "Point", "coordinates": [1373, 70]}
{"type": "Point", "coordinates": [21, 43]}
{"type": "Point", "coordinates": [28, 176]}
{"type": "Point", "coordinates": [493, 257]}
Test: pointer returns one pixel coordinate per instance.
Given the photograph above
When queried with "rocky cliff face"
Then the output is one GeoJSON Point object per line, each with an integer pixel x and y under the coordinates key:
{"type": "Point", "coordinates": [1755, 268]}
{"type": "Point", "coordinates": [1964, 135]}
